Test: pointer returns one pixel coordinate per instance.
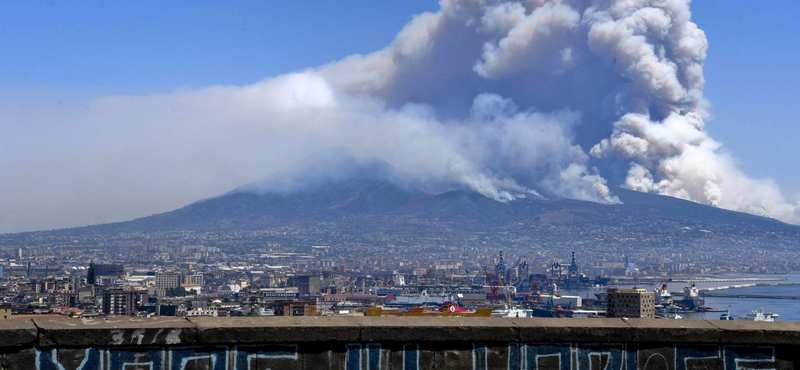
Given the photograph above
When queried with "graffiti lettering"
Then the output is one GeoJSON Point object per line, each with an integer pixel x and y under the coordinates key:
{"type": "Point", "coordinates": [370, 356]}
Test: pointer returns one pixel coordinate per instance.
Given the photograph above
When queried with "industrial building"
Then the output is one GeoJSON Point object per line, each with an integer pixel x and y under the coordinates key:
{"type": "Point", "coordinates": [631, 302]}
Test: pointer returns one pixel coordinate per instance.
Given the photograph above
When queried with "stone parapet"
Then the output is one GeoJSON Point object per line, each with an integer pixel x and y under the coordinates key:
{"type": "Point", "coordinates": [260, 343]}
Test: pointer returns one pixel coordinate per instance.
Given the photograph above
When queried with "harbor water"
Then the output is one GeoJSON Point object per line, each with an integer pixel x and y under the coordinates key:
{"type": "Point", "coordinates": [788, 309]}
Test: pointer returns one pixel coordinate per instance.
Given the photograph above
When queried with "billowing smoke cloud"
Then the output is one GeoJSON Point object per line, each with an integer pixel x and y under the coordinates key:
{"type": "Point", "coordinates": [558, 98]}
{"type": "Point", "coordinates": [576, 70]}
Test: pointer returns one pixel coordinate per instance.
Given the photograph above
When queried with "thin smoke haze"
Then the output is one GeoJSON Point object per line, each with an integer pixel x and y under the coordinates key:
{"type": "Point", "coordinates": [510, 99]}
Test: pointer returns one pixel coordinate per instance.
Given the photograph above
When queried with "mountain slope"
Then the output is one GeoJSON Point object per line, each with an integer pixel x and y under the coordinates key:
{"type": "Point", "coordinates": [338, 193]}
{"type": "Point", "coordinates": [370, 199]}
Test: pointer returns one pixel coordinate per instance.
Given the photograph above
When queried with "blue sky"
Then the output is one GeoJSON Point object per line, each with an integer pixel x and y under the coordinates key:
{"type": "Point", "coordinates": [54, 53]}
{"type": "Point", "coordinates": [134, 47]}
{"type": "Point", "coordinates": [753, 82]}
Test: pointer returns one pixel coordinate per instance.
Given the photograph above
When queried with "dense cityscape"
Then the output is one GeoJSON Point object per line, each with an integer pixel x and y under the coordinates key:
{"type": "Point", "coordinates": [280, 272]}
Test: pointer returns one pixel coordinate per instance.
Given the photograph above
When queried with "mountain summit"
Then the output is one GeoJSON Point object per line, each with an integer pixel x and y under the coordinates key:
{"type": "Point", "coordinates": [337, 185]}
{"type": "Point", "coordinates": [321, 170]}
{"type": "Point", "coordinates": [336, 195]}
{"type": "Point", "coordinates": [326, 185]}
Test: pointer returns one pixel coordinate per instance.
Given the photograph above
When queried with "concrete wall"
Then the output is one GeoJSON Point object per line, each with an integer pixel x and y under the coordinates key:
{"type": "Point", "coordinates": [371, 343]}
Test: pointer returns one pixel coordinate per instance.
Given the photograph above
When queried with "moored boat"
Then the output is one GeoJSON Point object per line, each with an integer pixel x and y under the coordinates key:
{"type": "Point", "coordinates": [759, 315]}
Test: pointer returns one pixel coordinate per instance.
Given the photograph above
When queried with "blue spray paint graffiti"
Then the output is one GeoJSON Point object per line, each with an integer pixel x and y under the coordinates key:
{"type": "Point", "coordinates": [514, 356]}
{"type": "Point", "coordinates": [609, 354]}
{"type": "Point", "coordinates": [373, 356]}
{"type": "Point", "coordinates": [358, 356]}
{"type": "Point", "coordinates": [352, 358]}
{"type": "Point", "coordinates": [535, 352]}
{"type": "Point", "coordinates": [216, 358]}
{"type": "Point", "coordinates": [410, 356]}
{"type": "Point", "coordinates": [748, 355]}
{"type": "Point", "coordinates": [686, 355]}
{"type": "Point", "coordinates": [631, 357]}
{"type": "Point", "coordinates": [479, 361]}
{"type": "Point", "coordinates": [125, 359]}
{"type": "Point", "coordinates": [48, 360]}
{"type": "Point", "coordinates": [267, 353]}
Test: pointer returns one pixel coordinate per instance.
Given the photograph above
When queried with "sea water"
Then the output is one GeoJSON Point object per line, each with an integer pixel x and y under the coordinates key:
{"type": "Point", "coordinates": [788, 309]}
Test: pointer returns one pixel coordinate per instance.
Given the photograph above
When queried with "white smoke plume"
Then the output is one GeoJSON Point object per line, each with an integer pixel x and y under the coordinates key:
{"type": "Point", "coordinates": [509, 98]}
{"type": "Point", "coordinates": [640, 63]}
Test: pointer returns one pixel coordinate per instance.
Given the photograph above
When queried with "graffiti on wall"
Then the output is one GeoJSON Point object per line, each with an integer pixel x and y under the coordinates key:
{"type": "Point", "coordinates": [413, 356]}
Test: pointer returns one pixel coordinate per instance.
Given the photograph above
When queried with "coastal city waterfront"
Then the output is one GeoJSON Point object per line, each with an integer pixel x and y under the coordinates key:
{"type": "Point", "coordinates": [199, 280]}
{"type": "Point", "coordinates": [789, 309]}
{"type": "Point", "coordinates": [781, 297]}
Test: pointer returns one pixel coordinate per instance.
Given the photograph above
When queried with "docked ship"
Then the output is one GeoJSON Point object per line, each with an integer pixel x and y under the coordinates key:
{"type": "Point", "coordinates": [691, 298]}
{"type": "Point", "coordinates": [555, 306]}
{"type": "Point", "coordinates": [449, 309]}
{"type": "Point", "coordinates": [550, 311]}
{"type": "Point", "coordinates": [663, 296]}
{"type": "Point", "coordinates": [759, 316]}
{"type": "Point", "coordinates": [421, 299]}
{"type": "Point", "coordinates": [690, 305]}
{"type": "Point", "coordinates": [672, 311]}
{"type": "Point", "coordinates": [511, 312]}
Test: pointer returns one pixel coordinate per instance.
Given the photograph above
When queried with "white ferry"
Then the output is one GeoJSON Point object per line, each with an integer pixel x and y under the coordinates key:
{"type": "Point", "coordinates": [511, 312]}
{"type": "Point", "coordinates": [759, 316]}
{"type": "Point", "coordinates": [420, 300]}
